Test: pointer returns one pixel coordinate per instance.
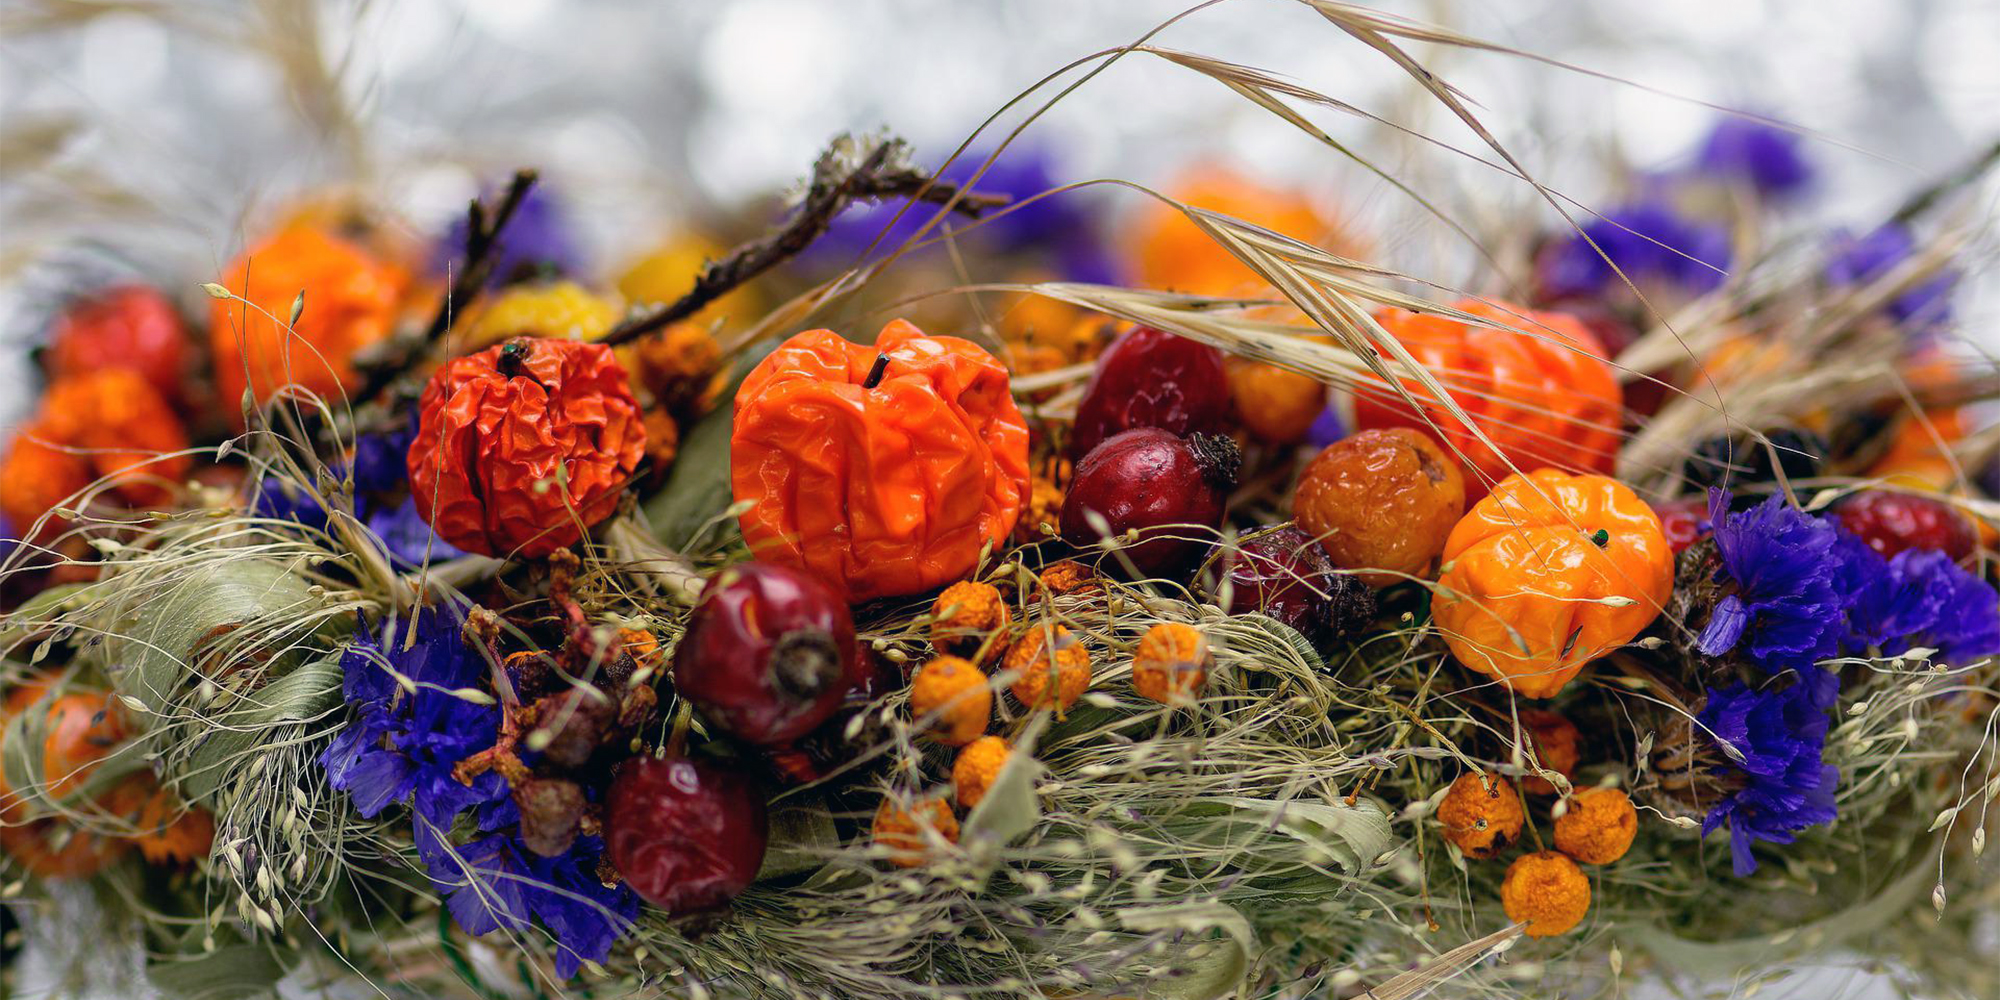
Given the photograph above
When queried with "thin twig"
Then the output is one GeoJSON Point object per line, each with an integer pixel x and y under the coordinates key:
{"type": "Point", "coordinates": [832, 190]}
{"type": "Point", "coordinates": [482, 243]}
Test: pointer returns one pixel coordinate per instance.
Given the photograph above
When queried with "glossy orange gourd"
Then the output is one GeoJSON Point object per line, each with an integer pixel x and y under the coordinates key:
{"type": "Point", "coordinates": [883, 469]}
{"type": "Point", "coordinates": [1542, 391]}
{"type": "Point", "coordinates": [351, 301]}
{"type": "Point", "coordinates": [1547, 573]}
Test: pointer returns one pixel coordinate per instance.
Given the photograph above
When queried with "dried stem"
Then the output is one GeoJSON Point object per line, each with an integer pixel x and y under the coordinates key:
{"type": "Point", "coordinates": [833, 188]}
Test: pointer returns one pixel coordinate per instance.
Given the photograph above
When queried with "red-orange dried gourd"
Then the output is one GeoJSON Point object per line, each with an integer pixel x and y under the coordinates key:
{"type": "Point", "coordinates": [523, 446]}
{"type": "Point", "coordinates": [1541, 390]}
{"type": "Point", "coordinates": [110, 423]}
{"type": "Point", "coordinates": [882, 470]}
{"type": "Point", "coordinates": [351, 302]}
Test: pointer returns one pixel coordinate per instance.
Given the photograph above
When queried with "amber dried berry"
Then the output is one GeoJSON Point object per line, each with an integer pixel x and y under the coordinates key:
{"type": "Point", "coordinates": [1546, 891]}
{"type": "Point", "coordinates": [1554, 740]}
{"type": "Point", "coordinates": [1049, 680]}
{"type": "Point", "coordinates": [950, 698]}
{"type": "Point", "coordinates": [641, 646]}
{"type": "Point", "coordinates": [1481, 814]}
{"type": "Point", "coordinates": [1598, 826]}
{"type": "Point", "coordinates": [663, 438]}
{"type": "Point", "coordinates": [1068, 577]}
{"type": "Point", "coordinates": [1382, 500]}
{"type": "Point", "coordinates": [965, 615]}
{"type": "Point", "coordinates": [1171, 663]}
{"type": "Point", "coordinates": [977, 766]}
{"type": "Point", "coordinates": [906, 833]}
{"type": "Point", "coordinates": [1276, 405]}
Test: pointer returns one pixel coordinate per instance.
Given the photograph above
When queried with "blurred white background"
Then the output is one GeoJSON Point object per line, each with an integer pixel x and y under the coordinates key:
{"type": "Point", "coordinates": [169, 129]}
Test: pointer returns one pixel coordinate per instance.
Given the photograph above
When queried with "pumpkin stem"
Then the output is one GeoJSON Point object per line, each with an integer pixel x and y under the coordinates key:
{"type": "Point", "coordinates": [1601, 538]}
{"type": "Point", "coordinates": [513, 358]}
{"type": "Point", "coordinates": [875, 374]}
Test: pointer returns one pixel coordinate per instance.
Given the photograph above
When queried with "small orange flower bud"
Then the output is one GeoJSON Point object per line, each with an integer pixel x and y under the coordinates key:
{"type": "Point", "coordinates": [1171, 663]}
{"type": "Point", "coordinates": [1547, 891]}
{"type": "Point", "coordinates": [663, 438]}
{"type": "Point", "coordinates": [1057, 679]}
{"type": "Point", "coordinates": [965, 615]}
{"type": "Point", "coordinates": [1276, 405]}
{"type": "Point", "coordinates": [904, 831]}
{"type": "Point", "coordinates": [1043, 517]}
{"type": "Point", "coordinates": [1598, 827]}
{"type": "Point", "coordinates": [978, 764]}
{"type": "Point", "coordinates": [1554, 740]}
{"type": "Point", "coordinates": [949, 697]}
{"type": "Point", "coordinates": [1481, 814]}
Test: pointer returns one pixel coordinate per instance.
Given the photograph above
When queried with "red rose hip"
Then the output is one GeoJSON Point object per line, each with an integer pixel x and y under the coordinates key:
{"type": "Point", "coordinates": [1284, 573]}
{"type": "Point", "coordinates": [1897, 522]}
{"type": "Point", "coordinates": [129, 326]}
{"type": "Point", "coordinates": [1151, 378]}
{"type": "Point", "coordinates": [769, 653]}
{"type": "Point", "coordinates": [686, 835]}
{"type": "Point", "coordinates": [1156, 483]}
{"type": "Point", "coordinates": [1683, 521]}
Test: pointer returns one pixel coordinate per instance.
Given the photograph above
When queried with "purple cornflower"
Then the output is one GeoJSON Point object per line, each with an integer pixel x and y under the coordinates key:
{"type": "Point", "coordinates": [412, 726]}
{"type": "Point", "coordinates": [412, 729]}
{"type": "Point", "coordinates": [1763, 157]}
{"type": "Point", "coordinates": [494, 883]}
{"type": "Point", "coordinates": [381, 501]}
{"type": "Point", "coordinates": [1921, 598]}
{"type": "Point", "coordinates": [539, 235]}
{"type": "Point", "coordinates": [1649, 241]}
{"type": "Point", "coordinates": [1786, 607]}
{"type": "Point", "coordinates": [1861, 260]}
{"type": "Point", "coordinates": [1063, 226]}
{"type": "Point", "coordinates": [1775, 742]}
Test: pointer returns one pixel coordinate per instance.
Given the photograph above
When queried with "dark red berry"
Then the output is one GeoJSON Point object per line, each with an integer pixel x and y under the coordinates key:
{"type": "Point", "coordinates": [1157, 483]}
{"type": "Point", "coordinates": [1150, 378]}
{"type": "Point", "coordinates": [769, 653]}
{"type": "Point", "coordinates": [1684, 521]}
{"type": "Point", "coordinates": [1896, 522]}
{"type": "Point", "coordinates": [1285, 574]}
{"type": "Point", "coordinates": [686, 835]}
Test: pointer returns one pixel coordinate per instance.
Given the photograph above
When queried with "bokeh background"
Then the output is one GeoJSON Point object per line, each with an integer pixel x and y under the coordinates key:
{"type": "Point", "coordinates": [157, 136]}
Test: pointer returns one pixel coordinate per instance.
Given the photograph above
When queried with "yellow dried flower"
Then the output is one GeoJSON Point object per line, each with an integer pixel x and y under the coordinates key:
{"type": "Point", "coordinates": [902, 831]}
{"type": "Point", "coordinates": [1598, 827]}
{"type": "Point", "coordinates": [1046, 678]}
{"type": "Point", "coordinates": [563, 310]}
{"type": "Point", "coordinates": [1171, 663]}
{"type": "Point", "coordinates": [978, 765]}
{"type": "Point", "coordinates": [1481, 814]}
{"type": "Point", "coordinates": [1546, 891]}
{"type": "Point", "coordinates": [965, 614]}
{"type": "Point", "coordinates": [949, 697]}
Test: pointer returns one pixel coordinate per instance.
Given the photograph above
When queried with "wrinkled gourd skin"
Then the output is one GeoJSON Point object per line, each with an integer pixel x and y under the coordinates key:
{"type": "Point", "coordinates": [1522, 595]}
{"type": "Point", "coordinates": [1542, 392]}
{"type": "Point", "coordinates": [519, 443]}
{"type": "Point", "coordinates": [879, 490]}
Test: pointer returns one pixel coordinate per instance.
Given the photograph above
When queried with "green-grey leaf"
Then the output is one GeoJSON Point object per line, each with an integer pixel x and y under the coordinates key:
{"type": "Point", "coordinates": [310, 692]}
{"type": "Point", "coordinates": [158, 628]}
{"type": "Point", "coordinates": [1216, 963]}
{"type": "Point", "coordinates": [697, 490]}
{"type": "Point", "coordinates": [238, 971]}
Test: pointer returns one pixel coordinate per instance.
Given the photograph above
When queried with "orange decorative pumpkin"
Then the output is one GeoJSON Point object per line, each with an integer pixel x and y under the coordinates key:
{"type": "Point", "coordinates": [107, 423]}
{"type": "Point", "coordinates": [1174, 254]}
{"type": "Point", "coordinates": [1547, 573]}
{"type": "Point", "coordinates": [521, 447]}
{"type": "Point", "coordinates": [1542, 392]}
{"type": "Point", "coordinates": [351, 302]}
{"type": "Point", "coordinates": [882, 470]}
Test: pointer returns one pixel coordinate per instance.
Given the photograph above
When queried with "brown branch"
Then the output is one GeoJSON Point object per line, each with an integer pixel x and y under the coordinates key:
{"type": "Point", "coordinates": [831, 191]}
{"type": "Point", "coordinates": [482, 243]}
